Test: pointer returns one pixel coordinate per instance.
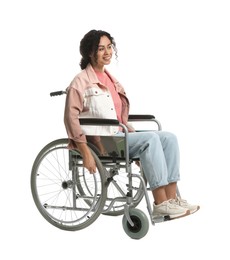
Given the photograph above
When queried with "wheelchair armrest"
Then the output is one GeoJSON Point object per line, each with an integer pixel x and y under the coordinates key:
{"type": "Point", "coordinates": [150, 118]}
{"type": "Point", "coordinates": [98, 121]}
{"type": "Point", "coordinates": [140, 117]}
{"type": "Point", "coordinates": [114, 122]}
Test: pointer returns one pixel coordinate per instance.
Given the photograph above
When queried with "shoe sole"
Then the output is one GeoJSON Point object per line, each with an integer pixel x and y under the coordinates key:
{"type": "Point", "coordinates": [195, 210]}
{"type": "Point", "coordinates": [171, 217]}
{"type": "Point", "coordinates": [180, 216]}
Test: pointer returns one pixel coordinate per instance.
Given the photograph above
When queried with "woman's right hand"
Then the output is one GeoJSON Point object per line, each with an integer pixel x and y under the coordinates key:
{"type": "Point", "coordinates": [88, 159]}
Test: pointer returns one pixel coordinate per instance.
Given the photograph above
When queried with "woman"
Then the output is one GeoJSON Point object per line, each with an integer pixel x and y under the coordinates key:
{"type": "Point", "coordinates": [94, 92]}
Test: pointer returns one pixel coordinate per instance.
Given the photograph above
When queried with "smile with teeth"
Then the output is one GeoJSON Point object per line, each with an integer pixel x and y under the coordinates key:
{"type": "Point", "coordinates": [107, 58]}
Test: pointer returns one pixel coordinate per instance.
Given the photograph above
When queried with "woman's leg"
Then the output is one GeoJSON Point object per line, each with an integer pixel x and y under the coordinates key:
{"type": "Point", "coordinates": [147, 146]}
{"type": "Point", "coordinates": [172, 157]}
{"type": "Point", "coordinates": [171, 154]}
{"type": "Point", "coordinates": [159, 156]}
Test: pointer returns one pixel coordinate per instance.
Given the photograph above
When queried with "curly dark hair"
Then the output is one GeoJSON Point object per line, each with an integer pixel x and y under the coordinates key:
{"type": "Point", "coordinates": [89, 45]}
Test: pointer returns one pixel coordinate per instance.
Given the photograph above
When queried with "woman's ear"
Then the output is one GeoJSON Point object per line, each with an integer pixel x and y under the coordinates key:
{"type": "Point", "coordinates": [92, 58]}
{"type": "Point", "coordinates": [91, 55]}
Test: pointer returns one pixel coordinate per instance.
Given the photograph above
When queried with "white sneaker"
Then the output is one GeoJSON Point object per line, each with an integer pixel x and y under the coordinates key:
{"type": "Point", "coordinates": [184, 204]}
{"type": "Point", "coordinates": [169, 210]}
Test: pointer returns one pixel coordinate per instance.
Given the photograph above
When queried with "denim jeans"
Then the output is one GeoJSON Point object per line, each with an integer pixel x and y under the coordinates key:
{"type": "Point", "coordinates": [158, 152]}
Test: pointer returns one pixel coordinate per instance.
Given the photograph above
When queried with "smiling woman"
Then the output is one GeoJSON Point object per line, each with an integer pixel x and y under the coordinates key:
{"type": "Point", "coordinates": [100, 45]}
{"type": "Point", "coordinates": [158, 151]}
{"type": "Point", "coordinates": [104, 54]}
{"type": "Point", "coordinates": [178, 50]}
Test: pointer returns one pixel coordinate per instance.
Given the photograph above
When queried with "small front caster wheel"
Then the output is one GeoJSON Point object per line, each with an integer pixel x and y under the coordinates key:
{"type": "Point", "coordinates": [141, 224]}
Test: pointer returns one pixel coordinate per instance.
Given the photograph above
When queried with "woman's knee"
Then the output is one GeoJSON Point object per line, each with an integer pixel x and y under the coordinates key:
{"type": "Point", "coordinates": [168, 137]}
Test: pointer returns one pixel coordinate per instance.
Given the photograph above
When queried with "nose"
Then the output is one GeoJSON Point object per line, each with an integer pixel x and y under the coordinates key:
{"type": "Point", "coordinates": [107, 50]}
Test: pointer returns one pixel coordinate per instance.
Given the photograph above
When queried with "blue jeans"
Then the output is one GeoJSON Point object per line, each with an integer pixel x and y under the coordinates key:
{"type": "Point", "coordinates": [159, 156]}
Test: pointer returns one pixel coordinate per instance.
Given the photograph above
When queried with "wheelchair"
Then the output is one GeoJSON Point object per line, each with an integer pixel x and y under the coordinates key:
{"type": "Point", "coordinates": [69, 197]}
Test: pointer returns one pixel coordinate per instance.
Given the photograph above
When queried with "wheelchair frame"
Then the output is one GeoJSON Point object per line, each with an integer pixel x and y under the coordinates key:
{"type": "Point", "coordinates": [71, 198]}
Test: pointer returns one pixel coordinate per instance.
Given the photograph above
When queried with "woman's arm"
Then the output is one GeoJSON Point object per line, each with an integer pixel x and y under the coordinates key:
{"type": "Point", "coordinates": [88, 160]}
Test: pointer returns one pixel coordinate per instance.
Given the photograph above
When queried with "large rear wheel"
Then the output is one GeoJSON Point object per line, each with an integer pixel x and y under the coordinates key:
{"type": "Point", "coordinates": [65, 193]}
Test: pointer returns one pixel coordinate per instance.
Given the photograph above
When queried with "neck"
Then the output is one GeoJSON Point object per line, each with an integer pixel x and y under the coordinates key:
{"type": "Point", "coordinates": [98, 68]}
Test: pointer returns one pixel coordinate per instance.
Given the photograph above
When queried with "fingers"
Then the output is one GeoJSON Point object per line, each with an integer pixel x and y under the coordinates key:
{"type": "Point", "coordinates": [90, 166]}
{"type": "Point", "coordinates": [93, 170]}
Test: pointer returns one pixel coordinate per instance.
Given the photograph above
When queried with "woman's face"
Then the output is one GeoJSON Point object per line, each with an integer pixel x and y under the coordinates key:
{"type": "Point", "coordinates": [104, 53]}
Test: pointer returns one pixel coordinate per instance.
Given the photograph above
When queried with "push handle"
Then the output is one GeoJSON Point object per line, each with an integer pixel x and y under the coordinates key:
{"type": "Point", "coordinates": [57, 93]}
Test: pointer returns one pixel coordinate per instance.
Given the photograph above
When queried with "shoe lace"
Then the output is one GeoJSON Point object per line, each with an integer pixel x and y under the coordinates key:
{"type": "Point", "coordinates": [173, 203]}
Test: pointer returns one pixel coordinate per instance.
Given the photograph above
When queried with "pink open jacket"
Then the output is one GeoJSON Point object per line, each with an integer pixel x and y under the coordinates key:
{"type": "Point", "coordinates": [88, 98]}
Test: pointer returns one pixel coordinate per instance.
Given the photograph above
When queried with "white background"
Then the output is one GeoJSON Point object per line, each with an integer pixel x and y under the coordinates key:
{"type": "Point", "coordinates": [174, 62]}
